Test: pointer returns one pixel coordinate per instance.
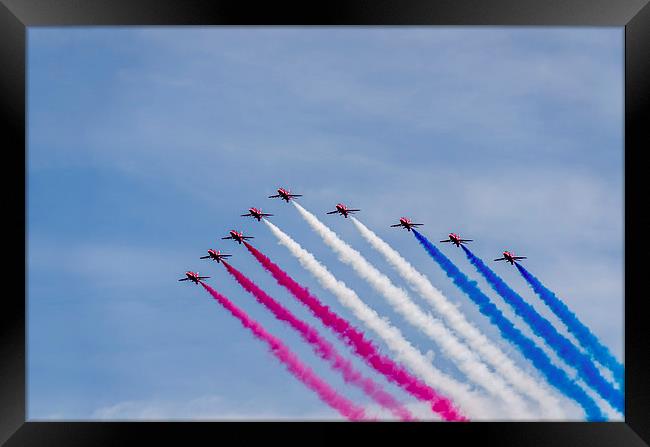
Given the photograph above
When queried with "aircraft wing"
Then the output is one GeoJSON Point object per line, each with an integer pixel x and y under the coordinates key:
{"type": "Point", "coordinates": [244, 215]}
{"type": "Point", "coordinates": [204, 257]}
{"type": "Point", "coordinates": [416, 225]}
{"type": "Point", "coordinates": [295, 195]}
{"type": "Point", "coordinates": [248, 237]}
{"type": "Point", "coordinates": [229, 237]}
{"type": "Point", "coordinates": [333, 212]}
{"type": "Point", "coordinates": [203, 277]}
{"type": "Point", "coordinates": [500, 259]}
{"type": "Point", "coordinates": [466, 240]}
{"type": "Point", "coordinates": [184, 279]}
{"type": "Point", "coordinates": [225, 256]}
{"type": "Point", "coordinates": [397, 225]}
{"type": "Point", "coordinates": [273, 197]}
{"type": "Point", "coordinates": [266, 215]}
{"type": "Point", "coordinates": [448, 240]}
{"type": "Point", "coordinates": [351, 211]}
{"type": "Point", "coordinates": [519, 257]}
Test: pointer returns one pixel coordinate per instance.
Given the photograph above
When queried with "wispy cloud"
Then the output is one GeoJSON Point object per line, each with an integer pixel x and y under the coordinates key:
{"type": "Point", "coordinates": [210, 408]}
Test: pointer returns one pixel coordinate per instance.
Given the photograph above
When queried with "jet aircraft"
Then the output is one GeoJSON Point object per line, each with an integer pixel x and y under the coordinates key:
{"type": "Point", "coordinates": [215, 255]}
{"type": "Point", "coordinates": [343, 210]}
{"type": "Point", "coordinates": [510, 257]}
{"type": "Point", "coordinates": [194, 277]}
{"type": "Point", "coordinates": [237, 236]}
{"type": "Point", "coordinates": [255, 213]}
{"type": "Point", "coordinates": [406, 223]}
{"type": "Point", "coordinates": [456, 240]}
{"type": "Point", "coordinates": [285, 195]}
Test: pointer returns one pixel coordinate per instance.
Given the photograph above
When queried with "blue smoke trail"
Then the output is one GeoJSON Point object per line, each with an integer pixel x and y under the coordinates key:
{"type": "Point", "coordinates": [544, 329]}
{"type": "Point", "coordinates": [555, 376]}
{"type": "Point", "coordinates": [585, 337]}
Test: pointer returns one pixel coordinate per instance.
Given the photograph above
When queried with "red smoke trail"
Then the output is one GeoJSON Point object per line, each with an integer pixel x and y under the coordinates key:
{"type": "Point", "coordinates": [294, 365]}
{"type": "Point", "coordinates": [322, 347]}
{"type": "Point", "coordinates": [364, 348]}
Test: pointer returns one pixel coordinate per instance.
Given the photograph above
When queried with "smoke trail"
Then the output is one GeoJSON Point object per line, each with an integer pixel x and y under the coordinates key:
{"type": "Point", "coordinates": [322, 347]}
{"type": "Point", "coordinates": [471, 403]}
{"type": "Point", "coordinates": [458, 352]}
{"type": "Point", "coordinates": [585, 337]}
{"type": "Point", "coordinates": [555, 376]}
{"type": "Point", "coordinates": [346, 332]}
{"type": "Point", "coordinates": [301, 371]}
{"type": "Point", "coordinates": [544, 329]}
{"type": "Point", "coordinates": [475, 338]}
{"type": "Point", "coordinates": [390, 334]}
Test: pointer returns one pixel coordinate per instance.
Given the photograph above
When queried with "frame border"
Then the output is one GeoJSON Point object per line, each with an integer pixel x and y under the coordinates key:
{"type": "Point", "coordinates": [634, 15]}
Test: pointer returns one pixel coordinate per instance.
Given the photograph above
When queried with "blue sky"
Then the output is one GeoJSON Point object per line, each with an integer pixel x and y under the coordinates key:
{"type": "Point", "coordinates": [146, 144]}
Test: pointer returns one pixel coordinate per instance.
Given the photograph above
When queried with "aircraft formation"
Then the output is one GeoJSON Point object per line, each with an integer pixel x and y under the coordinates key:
{"type": "Point", "coordinates": [478, 359]}
{"type": "Point", "coordinates": [341, 209]}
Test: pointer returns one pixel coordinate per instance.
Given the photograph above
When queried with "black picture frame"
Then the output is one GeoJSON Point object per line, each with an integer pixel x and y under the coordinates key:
{"type": "Point", "coordinates": [17, 15]}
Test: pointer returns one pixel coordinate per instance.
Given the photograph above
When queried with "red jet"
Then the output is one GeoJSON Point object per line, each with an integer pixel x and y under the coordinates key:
{"type": "Point", "coordinates": [194, 277]}
{"type": "Point", "coordinates": [257, 214]}
{"type": "Point", "coordinates": [215, 255]}
{"type": "Point", "coordinates": [406, 223]}
{"type": "Point", "coordinates": [456, 240]}
{"type": "Point", "coordinates": [510, 257]}
{"type": "Point", "coordinates": [285, 194]}
{"type": "Point", "coordinates": [237, 236]}
{"type": "Point", "coordinates": [343, 210]}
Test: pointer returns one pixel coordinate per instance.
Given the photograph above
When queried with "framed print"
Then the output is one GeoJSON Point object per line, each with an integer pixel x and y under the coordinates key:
{"type": "Point", "coordinates": [397, 215]}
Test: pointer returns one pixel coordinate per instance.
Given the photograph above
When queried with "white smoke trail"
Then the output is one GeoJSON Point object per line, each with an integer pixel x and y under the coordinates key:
{"type": "Point", "coordinates": [549, 405]}
{"type": "Point", "coordinates": [468, 362]}
{"type": "Point", "coordinates": [471, 403]}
